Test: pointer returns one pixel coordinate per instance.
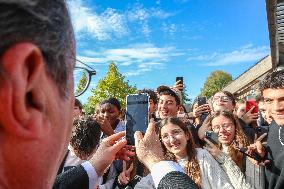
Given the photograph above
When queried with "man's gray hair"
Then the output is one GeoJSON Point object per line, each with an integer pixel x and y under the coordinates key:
{"type": "Point", "coordinates": [47, 24]}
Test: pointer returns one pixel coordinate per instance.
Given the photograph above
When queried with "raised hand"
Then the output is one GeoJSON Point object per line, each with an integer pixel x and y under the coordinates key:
{"type": "Point", "coordinates": [124, 176]}
{"type": "Point", "coordinates": [104, 125]}
{"type": "Point", "coordinates": [111, 148]}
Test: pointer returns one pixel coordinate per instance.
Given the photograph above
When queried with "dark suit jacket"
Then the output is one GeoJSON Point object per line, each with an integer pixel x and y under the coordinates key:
{"type": "Point", "coordinates": [177, 180]}
{"type": "Point", "coordinates": [75, 178]}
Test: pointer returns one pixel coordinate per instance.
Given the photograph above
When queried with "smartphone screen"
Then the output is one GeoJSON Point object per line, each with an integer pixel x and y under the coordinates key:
{"type": "Point", "coordinates": [250, 104]}
{"type": "Point", "coordinates": [136, 115]}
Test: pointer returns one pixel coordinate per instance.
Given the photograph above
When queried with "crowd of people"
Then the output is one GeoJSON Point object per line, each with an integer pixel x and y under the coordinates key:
{"type": "Point", "coordinates": [47, 141]}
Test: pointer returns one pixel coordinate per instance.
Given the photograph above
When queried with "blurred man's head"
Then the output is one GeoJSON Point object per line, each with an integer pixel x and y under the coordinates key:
{"type": "Point", "coordinates": [223, 100]}
{"type": "Point", "coordinates": [169, 102]}
{"type": "Point", "coordinates": [78, 109]}
{"type": "Point", "coordinates": [36, 90]}
{"type": "Point", "coordinates": [85, 137]}
{"type": "Point", "coordinates": [272, 90]}
{"type": "Point", "coordinates": [153, 99]}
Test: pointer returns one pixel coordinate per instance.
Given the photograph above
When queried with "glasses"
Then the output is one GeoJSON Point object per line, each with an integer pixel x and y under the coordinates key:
{"type": "Point", "coordinates": [174, 134]}
{"type": "Point", "coordinates": [82, 77]}
{"type": "Point", "coordinates": [222, 98]}
{"type": "Point", "coordinates": [225, 126]}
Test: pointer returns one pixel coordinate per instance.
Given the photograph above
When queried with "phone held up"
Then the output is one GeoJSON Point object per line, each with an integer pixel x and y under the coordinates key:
{"type": "Point", "coordinates": [201, 100]}
{"type": "Point", "coordinates": [136, 115]}
{"type": "Point", "coordinates": [212, 137]}
{"type": "Point", "coordinates": [179, 79]}
{"type": "Point", "coordinates": [251, 103]}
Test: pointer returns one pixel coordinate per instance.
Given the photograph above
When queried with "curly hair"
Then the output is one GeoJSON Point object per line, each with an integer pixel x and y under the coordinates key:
{"type": "Point", "coordinates": [192, 167]}
{"type": "Point", "coordinates": [274, 80]}
{"type": "Point", "coordinates": [85, 136]}
{"type": "Point", "coordinates": [240, 137]}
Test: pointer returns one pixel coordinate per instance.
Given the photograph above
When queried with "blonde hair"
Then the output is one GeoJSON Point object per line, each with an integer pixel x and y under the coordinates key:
{"type": "Point", "coordinates": [192, 167]}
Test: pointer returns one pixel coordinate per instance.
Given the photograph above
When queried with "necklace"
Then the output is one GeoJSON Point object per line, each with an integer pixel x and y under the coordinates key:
{"type": "Point", "coordinates": [280, 136]}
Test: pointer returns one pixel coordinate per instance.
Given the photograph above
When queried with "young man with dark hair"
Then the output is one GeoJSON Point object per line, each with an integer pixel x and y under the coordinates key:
{"type": "Point", "coordinates": [169, 102]}
{"type": "Point", "coordinates": [272, 90]}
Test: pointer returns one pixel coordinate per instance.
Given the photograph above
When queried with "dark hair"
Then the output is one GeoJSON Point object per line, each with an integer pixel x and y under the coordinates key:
{"type": "Point", "coordinates": [230, 95]}
{"type": "Point", "coordinates": [193, 168]}
{"type": "Point", "coordinates": [274, 80]}
{"type": "Point", "coordinates": [151, 93]}
{"type": "Point", "coordinates": [112, 101]}
{"type": "Point", "coordinates": [85, 136]}
{"type": "Point", "coordinates": [47, 24]}
{"type": "Point", "coordinates": [78, 103]}
{"type": "Point", "coordinates": [171, 93]}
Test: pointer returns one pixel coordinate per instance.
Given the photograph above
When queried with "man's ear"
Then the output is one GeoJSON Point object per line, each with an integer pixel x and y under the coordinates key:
{"type": "Point", "coordinates": [22, 97]}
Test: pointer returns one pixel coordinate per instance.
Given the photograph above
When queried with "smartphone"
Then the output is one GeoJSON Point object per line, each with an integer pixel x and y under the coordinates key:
{"type": "Point", "coordinates": [249, 104]}
{"type": "Point", "coordinates": [212, 137]}
{"type": "Point", "coordinates": [136, 115]}
{"type": "Point", "coordinates": [179, 79]}
{"type": "Point", "coordinates": [201, 100]}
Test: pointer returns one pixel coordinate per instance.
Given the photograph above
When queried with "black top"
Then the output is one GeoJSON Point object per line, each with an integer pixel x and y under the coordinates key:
{"type": "Point", "coordinates": [75, 178]}
{"type": "Point", "coordinates": [177, 180]}
{"type": "Point", "coordinates": [274, 171]}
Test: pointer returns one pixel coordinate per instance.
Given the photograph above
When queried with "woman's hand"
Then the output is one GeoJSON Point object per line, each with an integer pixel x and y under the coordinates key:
{"type": "Point", "coordinates": [212, 148]}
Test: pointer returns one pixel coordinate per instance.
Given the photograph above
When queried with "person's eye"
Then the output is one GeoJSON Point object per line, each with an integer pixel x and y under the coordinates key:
{"type": "Point", "coordinates": [165, 136]}
{"type": "Point", "coordinates": [268, 101]}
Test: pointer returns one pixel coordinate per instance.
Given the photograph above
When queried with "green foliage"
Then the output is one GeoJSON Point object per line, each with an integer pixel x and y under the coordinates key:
{"type": "Point", "coordinates": [185, 98]}
{"type": "Point", "coordinates": [216, 81]}
{"type": "Point", "coordinates": [82, 83]}
{"type": "Point", "coordinates": [112, 85]}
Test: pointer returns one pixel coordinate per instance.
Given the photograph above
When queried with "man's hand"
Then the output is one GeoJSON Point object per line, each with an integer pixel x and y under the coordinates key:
{"type": "Point", "coordinates": [250, 117]}
{"type": "Point", "coordinates": [124, 176]}
{"type": "Point", "coordinates": [110, 149]}
{"type": "Point", "coordinates": [148, 148]}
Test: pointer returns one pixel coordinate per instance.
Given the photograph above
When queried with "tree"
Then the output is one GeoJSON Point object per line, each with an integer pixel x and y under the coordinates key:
{"type": "Point", "coordinates": [216, 81]}
{"type": "Point", "coordinates": [112, 85]}
{"type": "Point", "coordinates": [82, 83]}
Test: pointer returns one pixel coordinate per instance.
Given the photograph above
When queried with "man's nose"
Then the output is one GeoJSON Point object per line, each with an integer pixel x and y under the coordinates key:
{"type": "Point", "coordinates": [278, 105]}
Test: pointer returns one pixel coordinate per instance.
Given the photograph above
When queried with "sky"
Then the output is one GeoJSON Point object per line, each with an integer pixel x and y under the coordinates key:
{"type": "Point", "coordinates": [153, 41]}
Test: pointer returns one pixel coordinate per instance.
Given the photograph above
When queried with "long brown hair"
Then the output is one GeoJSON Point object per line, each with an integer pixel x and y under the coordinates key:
{"type": "Point", "coordinates": [240, 137]}
{"type": "Point", "coordinates": [192, 168]}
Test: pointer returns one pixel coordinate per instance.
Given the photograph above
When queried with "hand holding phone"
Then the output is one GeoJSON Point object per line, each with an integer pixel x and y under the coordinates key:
{"type": "Point", "coordinates": [251, 104]}
{"type": "Point", "coordinates": [136, 115]}
{"type": "Point", "coordinates": [179, 80]}
{"type": "Point", "coordinates": [212, 137]}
